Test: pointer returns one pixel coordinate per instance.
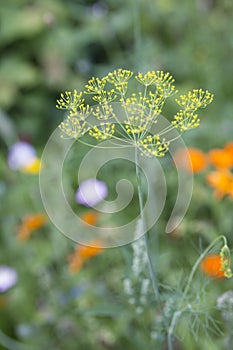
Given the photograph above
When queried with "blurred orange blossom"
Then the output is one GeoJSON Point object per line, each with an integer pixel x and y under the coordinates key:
{"type": "Point", "coordinates": [211, 265]}
{"type": "Point", "coordinates": [196, 162]}
{"type": "Point", "coordinates": [83, 253]}
{"type": "Point", "coordinates": [29, 224]}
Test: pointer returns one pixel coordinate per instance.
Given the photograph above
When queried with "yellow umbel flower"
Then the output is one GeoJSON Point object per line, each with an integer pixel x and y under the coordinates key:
{"type": "Point", "coordinates": [154, 146]}
{"type": "Point", "coordinates": [119, 78]}
{"type": "Point", "coordinates": [95, 86]}
{"type": "Point", "coordinates": [103, 132]}
{"type": "Point", "coordinates": [70, 100]}
{"type": "Point", "coordinates": [186, 118]}
{"type": "Point", "coordinates": [139, 111]}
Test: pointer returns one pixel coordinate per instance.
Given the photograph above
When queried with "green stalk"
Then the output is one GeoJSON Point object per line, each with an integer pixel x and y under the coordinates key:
{"type": "Point", "coordinates": [146, 238]}
{"type": "Point", "coordinates": [137, 32]}
{"type": "Point", "coordinates": [195, 266]}
{"type": "Point", "coordinates": [181, 309]}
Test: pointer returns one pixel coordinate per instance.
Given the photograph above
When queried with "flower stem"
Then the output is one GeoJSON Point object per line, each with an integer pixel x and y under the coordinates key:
{"type": "Point", "coordinates": [137, 32]}
{"type": "Point", "coordinates": [181, 309]}
{"type": "Point", "coordinates": [146, 238]}
{"type": "Point", "coordinates": [195, 266]}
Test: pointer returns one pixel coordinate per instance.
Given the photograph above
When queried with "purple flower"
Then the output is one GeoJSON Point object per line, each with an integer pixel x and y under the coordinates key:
{"type": "Point", "coordinates": [91, 192]}
{"type": "Point", "coordinates": [8, 278]}
{"type": "Point", "coordinates": [20, 155]}
{"type": "Point", "coordinates": [99, 9]}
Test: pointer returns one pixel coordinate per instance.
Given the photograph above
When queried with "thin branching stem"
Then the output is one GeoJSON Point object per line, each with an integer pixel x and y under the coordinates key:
{"type": "Point", "coordinates": [146, 238]}
{"type": "Point", "coordinates": [182, 308]}
{"type": "Point", "coordinates": [195, 266]}
{"type": "Point", "coordinates": [137, 32]}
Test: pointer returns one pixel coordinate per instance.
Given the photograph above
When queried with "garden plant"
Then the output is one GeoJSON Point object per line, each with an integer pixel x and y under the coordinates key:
{"type": "Point", "coordinates": [116, 200]}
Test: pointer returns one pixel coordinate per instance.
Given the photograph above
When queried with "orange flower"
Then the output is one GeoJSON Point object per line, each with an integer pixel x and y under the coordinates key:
{"type": "Point", "coordinates": [229, 147]}
{"type": "Point", "coordinates": [75, 264]}
{"type": "Point", "coordinates": [86, 252]}
{"type": "Point", "coordinates": [29, 224]}
{"type": "Point", "coordinates": [83, 253]}
{"type": "Point", "coordinates": [222, 182]}
{"type": "Point", "coordinates": [90, 217]}
{"type": "Point", "coordinates": [196, 162]}
{"type": "Point", "coordinates": [211, 265]}
{"type": "Point", "coordinates": [221, 158]}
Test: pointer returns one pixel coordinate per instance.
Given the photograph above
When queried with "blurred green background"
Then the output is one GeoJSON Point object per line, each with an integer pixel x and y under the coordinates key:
{"type": "Point", "coordinates": [49, 46]}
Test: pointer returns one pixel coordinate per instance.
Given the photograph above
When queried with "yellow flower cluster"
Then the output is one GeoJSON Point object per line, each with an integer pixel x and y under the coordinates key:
{"type": "Point", "coordinates": [186, 118]}
{"type": "Point", "coordinates": [70, 100]}
{"type": "Point", "coordinates": [137, 114]}
{"type": "Point", "coordinates": [147, 78]}
{"type": "Point", "coordinates": [103, 112]}
{"type": "Point", "coordinates": [74, 127]}
{"type": "Point", "coordinates": [136, 124]}
{"type": "Point", "coordinates": [95, 86]}
{"type": "Point", "coordinates": [154, 146]}
{"type": "Point", "coordinates": [75, 124]}
{"type": "Point", "coordinates": [119, 76]}
{"type": "Point", "coordinates": [102, 132]}
{"type": "Point", "coordinates": [225, 256]}
{"type": "Point", "coordinates": [163, 82]}
{"type": "Point", "coordinates": [140, 110]}
{"type": "Point", "coordinates": [195, 99]}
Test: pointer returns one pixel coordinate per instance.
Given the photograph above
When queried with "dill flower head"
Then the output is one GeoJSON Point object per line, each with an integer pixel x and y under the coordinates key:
{"type": "Point", "coordinates": [136, 114]}
{"type": "Point", "coordinates": [120, 111]}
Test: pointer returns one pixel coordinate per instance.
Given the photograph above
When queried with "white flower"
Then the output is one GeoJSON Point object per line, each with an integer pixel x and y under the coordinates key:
{"type": "Point", "coordinates": [91, 192]}
{"type": "Point", "coordinates": [20, 155]}
{"type": "Point", "coordinates": [8, 278]}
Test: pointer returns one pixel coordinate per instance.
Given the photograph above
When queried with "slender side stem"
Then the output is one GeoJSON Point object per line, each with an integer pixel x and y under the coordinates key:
{"type": "Point", "coordinates": [137, 32]}
{"type": "Point", "coordinates": [146, 238]}
{"type": "Point", "coordinates": [195, 266]}
{"type": "Point", "coordinates": [180, 310]}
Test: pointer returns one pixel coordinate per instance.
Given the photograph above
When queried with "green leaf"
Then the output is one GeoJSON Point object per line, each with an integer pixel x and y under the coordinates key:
{"type": "Point", "coordinates": [17, 71]}
{"type": "Point", "coordinates": [102, 310]}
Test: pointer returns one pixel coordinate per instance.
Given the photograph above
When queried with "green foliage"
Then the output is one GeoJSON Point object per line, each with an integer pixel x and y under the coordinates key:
{"type": "Point", "coordinates": [48, 46]}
